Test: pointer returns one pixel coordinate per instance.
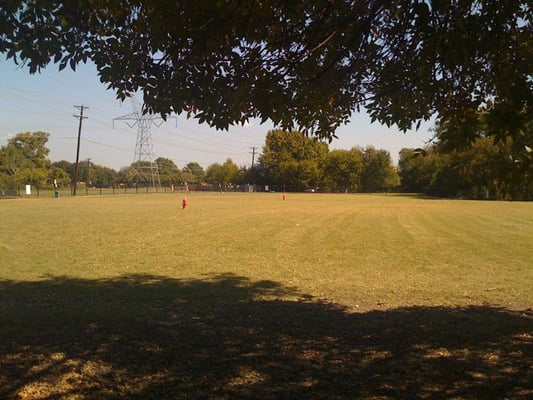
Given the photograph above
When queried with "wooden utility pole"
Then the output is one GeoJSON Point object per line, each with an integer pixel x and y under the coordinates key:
{"type": "Point", "coordinates": [252, 169]}
{"type": "Point", "coordinates": [81, 117]}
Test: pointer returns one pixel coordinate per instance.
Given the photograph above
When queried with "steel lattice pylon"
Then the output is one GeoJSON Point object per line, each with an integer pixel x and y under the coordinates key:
{"type": "Point", "coordinates": [146, 170]}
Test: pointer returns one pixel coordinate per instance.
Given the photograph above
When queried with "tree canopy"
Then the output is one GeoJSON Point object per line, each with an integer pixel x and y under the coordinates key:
{"type": "Point", "coordinates": [169, 173]}
{"type": "Point", "coordinates": [303, 64]}
{"type": "Point", "coordinates": [23, 159]}
{"type": "Point", "coordinates": [378, 173]}
{"type": "Point", "coordinates": [32, 146]}
{"type": "Point", "coordinates": [292, 159]}
{"type": "Point", "coordinates": [193, 172]}
{"type": "Point", "coordinates": [342, 170]}
{"type": "Point", "coordinates": [483, 170]}
{"type": "Point", "coordinates": [222, 173]}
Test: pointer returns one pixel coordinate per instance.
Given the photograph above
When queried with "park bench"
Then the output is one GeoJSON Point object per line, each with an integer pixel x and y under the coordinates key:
{"type": "Point", "coordinates": [8, 194]}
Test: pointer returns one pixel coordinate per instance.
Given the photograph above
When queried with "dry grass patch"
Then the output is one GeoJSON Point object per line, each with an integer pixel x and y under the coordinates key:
{"type": "Point", "coordinates": [249, 296]}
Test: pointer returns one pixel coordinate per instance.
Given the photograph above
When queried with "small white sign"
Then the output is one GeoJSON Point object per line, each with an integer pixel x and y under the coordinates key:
{"type": "Point", "coordinates": [28, 189]}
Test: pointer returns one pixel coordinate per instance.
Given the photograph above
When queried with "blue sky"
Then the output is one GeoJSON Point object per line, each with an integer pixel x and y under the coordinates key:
{"type": "Point", "coordinates": [46, 102]}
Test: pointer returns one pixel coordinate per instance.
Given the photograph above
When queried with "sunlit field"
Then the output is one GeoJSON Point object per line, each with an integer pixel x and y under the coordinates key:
{"type": "Point", "coordinates": [360, 251]}
{"type": "Point", "coordinates": [257, 296]}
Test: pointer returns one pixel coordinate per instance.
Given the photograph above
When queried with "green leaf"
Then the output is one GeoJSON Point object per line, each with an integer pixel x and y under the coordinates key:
{"type": "Point", "coordinates": [63, 64]}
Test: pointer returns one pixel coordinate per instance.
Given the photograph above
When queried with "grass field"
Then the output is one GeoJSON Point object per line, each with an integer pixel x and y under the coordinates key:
{"type": "Point", "coordinates": [251, 296]}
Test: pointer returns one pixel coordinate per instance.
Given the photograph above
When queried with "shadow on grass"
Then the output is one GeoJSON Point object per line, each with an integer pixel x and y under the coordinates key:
{"type": "Point", "coordinates": [144, 337]}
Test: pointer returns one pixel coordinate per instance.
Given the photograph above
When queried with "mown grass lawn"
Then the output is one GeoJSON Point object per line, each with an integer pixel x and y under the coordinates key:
{"type": "Point", "coordinates": [253, 296]}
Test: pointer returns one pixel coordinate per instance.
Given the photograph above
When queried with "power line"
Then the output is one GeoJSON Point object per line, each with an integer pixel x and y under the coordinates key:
{"type": "Point", "coordinates": [105, 145]}
{"type": "Point", "coordinates": [194, 138]}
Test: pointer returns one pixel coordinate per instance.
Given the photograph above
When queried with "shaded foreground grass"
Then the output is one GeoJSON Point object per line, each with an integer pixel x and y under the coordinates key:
{"type": "Point", "coordinates": [248, 296]}
{"type": "Point", "coordinates": [144, 336]}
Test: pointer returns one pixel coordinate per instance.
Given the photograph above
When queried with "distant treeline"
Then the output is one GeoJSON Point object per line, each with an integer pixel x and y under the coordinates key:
{"type": "Point", "coordinates": [291, 162]}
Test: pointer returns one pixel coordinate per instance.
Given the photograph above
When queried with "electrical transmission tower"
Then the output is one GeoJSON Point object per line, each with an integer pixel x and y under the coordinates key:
{"type": "Point", "coordinates": [146, 170]}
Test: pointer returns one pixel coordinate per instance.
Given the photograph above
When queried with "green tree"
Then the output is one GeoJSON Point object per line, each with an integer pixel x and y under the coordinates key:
{"type": "Point", "coordinates": [416, 168]}
{"type": "Point", "coordinates": [32, 146]}
{"type": "Point", "coordinates": [59, 175]}
{"type": "Point", "coordinates": [342, 170]}
{"type": "Point", "coordinates": [378, 175]}
{"type": "Point", "coordinates": [193, 173]}
{"type": "Point", "coordinates": [492, 164]}
{"type": "Point", "coordinates": [12, 160]}
{"type": "Point", "coordinates": [24, 158]}
{"type": "Point", "coordinates": [144, 173]}
{"type": "Point", "coordinates": [231, 171]}
{"type": "Point", "coordinates": [86, 172]}
{"type": "Point", "coordinates": [66, 166]}
{"type": "Point", "coordinates": [222, 173]}
{"type": "Point", "coordinates": [245, 176]}
{"type": "Point", "coordinates": [516, 166]}
{"type": "Point", "coordinates": [482, 160]}
{"type": "Point", "coordinates": [103, 176]}
{"type": "Point", "coordinates": [484, 170]}
{"type": "Point", "coordinates": [291, 158]}
{"type": "Point", "coordinates": [169, 173]}
{"type": "Point", "coordinates": [214, 173]}
{"type": "Point", "coordinates": [303, 64]}
{"type": "Point", "coordinates": [37, 177]}
{"type": "Point", "coordinates": [7, 182]}
{"type": "Point", "coordinates": [127, 175]}
{"type": "Point", "coordinates": [25, 150]}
